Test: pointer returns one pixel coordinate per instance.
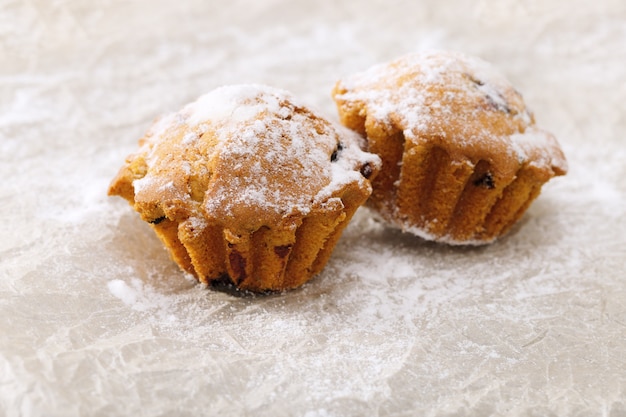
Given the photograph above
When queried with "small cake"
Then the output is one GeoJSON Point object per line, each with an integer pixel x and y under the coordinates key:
{"type": "Point", "coordinates": [247, 184]}
{"type": "Point", "coordinates": [462, 156]}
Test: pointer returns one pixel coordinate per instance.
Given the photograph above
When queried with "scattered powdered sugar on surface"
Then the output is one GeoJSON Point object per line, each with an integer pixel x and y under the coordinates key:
{"type": "Point", "coordinates": [138, 296]}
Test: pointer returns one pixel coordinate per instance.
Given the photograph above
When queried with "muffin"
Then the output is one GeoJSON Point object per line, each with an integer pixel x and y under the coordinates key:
{"type": "Point", "coordinates": [247, 184]}
{"type": "Point", "coordinates": [462, 156]}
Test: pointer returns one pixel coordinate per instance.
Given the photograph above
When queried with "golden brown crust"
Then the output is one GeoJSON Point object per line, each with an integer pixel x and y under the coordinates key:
{"type": "Point", "coordinates": [462, 157]}
{"type": "Point", "coordinates": [246, 183]}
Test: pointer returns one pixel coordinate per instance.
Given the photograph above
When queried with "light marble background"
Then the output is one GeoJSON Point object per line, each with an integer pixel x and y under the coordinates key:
{"type": "Point", "coordinates": [95, 319]}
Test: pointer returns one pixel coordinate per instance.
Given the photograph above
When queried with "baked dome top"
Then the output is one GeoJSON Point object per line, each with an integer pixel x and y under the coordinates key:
{"type": "Point", "coordinates": [247, 155]}
{"type": "Point", "coordinates": [456, 101]}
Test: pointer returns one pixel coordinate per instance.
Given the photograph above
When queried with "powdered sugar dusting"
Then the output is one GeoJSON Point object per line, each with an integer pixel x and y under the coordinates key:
{"type": "Point", "coordinates": [438, 93]}
{"type": "Point", "coordinates": [233, 104]}
{"type": "Point", "coordinates": [270, 159]}
{"type": "Point", "coordinates": [538, 147]}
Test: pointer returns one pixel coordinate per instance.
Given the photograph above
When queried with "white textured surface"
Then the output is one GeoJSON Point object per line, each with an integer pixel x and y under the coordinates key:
{"type": "Point", "coordinates": [95, 320]}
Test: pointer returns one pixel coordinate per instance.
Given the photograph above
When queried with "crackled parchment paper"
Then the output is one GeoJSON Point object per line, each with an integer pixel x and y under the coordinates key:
{"type": "Point", "coordinates": [96, 320]}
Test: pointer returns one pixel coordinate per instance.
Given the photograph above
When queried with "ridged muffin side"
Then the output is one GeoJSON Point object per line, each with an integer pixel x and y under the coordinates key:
{"type": "Point", "coordinates": [247, 185]}
{"type": "Point", "coordinates": [462, 157]}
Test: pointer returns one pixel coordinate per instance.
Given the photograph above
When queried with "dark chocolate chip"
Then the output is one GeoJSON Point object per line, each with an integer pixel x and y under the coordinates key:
{"type": "Point", "coordinates": [498, 105]}
{"type": "Point", "coordinates": [336, 152]}
{"type": "Point", "coordinates": [475, 80]}
{"type": "Point", "coordinates": [366, 170]}
{"type": "Point", "coordinates": [157, 220]}
{"type": "Point", "coordinates": [486, 181]}
{"type": "Point", "coordinates": [282, 250]}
